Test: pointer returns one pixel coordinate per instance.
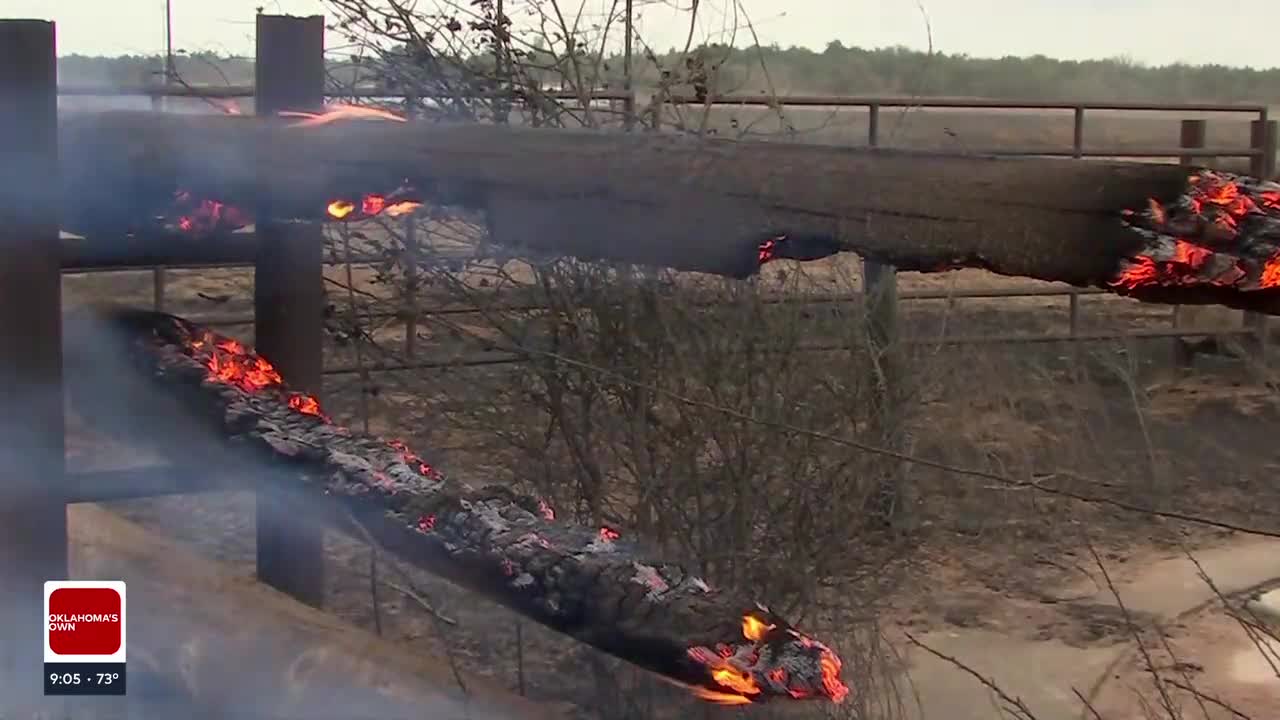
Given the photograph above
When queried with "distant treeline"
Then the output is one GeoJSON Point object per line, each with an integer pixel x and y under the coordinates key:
{"type": "Point", "coordinates": [836, 70]}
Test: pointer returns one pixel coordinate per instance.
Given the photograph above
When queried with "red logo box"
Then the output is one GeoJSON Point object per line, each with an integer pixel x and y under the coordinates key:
{"type": "Point", "coordinates": [85, 621]}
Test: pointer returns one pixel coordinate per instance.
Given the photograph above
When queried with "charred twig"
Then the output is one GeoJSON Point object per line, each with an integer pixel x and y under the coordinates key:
{"type": "Point", "coordinates": [1093, 711]}
{"type": "Point", "coordinates": [1200, 695]}
{"type": "Point", "coordinates": [1136, 632]}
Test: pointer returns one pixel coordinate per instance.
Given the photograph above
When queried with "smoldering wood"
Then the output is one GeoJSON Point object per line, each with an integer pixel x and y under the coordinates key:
{"type": "Point", "coordinates": [607, 593]}
{"type": "Point", "coordinates": [656, 199]}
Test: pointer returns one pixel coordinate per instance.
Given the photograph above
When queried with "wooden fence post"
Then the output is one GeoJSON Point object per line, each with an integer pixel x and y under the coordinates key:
{"type": "Point", "coordinates": [880, 297]}
{"type": "Point", "coordinates": [288, 293]}
{"type": "Point", "coordinates": [880, 281]}
{"type": "Point", "coordinates": [1262, 137]}
{"type": "Point", "coordinates": [1192, 134]}
{"type": "Point", "coordinates": [158, 272]}
{"type": "Point", "coordinates": [33, 490]}
{"type": "Point", "coordinates": [1077, 132]}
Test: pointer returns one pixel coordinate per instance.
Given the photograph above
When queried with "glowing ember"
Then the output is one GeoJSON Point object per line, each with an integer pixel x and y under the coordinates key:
{"type": "Point", "coordinates": [305, 404]}
{"type": "Point", "coordinates": [413, 461]}
{"type": "Point", "coordinates": [1223, 232]}
{"type": "Point", "coordinates": [752, 671]}
{"type": "Point", "coordinates": [206, 216]}
{"type": "Point", "coordinates": [338, 113]}
{"type": "Point", "coordinates": [1271, 273]}
{"type": "Point", "coordinates": [609, 534]}
{"type": "Point", "coordinates": [767, 249]}
{"type": "Point", "coordinates": [231, 363]}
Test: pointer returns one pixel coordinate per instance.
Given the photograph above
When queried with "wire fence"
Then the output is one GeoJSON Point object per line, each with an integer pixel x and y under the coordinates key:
{"type": "Point", "coordinates": [1261, 153]}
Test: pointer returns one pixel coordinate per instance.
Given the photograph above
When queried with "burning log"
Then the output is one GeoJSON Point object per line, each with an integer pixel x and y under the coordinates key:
{"type": "Point", "coordinates": [708, 205]}
{"type": "Point", "coordinates": [591, 584]}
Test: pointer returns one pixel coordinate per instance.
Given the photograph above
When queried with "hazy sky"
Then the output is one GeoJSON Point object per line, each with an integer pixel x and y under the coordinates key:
{"type": "Point", "coordinates": [1229, 32]}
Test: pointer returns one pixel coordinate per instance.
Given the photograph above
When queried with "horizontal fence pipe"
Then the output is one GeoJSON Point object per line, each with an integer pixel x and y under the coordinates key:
{"type": "Point", "coordinates": [994, 293]}
{"type": "Point", "coordinates": [237, 91]}
{"type": "Point", "coordinates": [957, 103]}
{"type": "Point", "coordinates": [247, 91]}
{"type": "Point", "coordinates": [1011, 339]}
{"type": "Point", "coordinates": [1139, 334]}
{"type": "Point", "coordinates": [1170, 151]}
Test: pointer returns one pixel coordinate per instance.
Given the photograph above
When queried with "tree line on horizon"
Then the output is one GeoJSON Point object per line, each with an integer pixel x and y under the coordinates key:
{"type": "Point", "coordinates": [835, 70]}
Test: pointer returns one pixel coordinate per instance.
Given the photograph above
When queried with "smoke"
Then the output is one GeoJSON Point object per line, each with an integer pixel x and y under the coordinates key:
{"type": "Point", "coordinates": [202, 641]}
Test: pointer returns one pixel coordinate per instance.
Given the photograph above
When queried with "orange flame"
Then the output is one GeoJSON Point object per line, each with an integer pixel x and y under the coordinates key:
{"type": "Point", "coordinates": [404, 207]}
{"type": "Point", "coordinates": [337, 113]}
{"type": "Point", "coordinates": [370, 205]}
{"type": "Point", "coordinates": [736, 680]}
{"type": "Point", "coordinates": [339, 209]}
{"type": "Point", "coordinates": [720, 698]}
{"type": "Point", "coordinates": [739, 687]}
{"type": "Point", "coordinates": [754, 628]}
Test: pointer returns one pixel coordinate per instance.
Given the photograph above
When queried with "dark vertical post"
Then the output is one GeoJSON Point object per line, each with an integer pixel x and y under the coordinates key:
{"type": "Point", "coordinates": [1263, 138]}
{"type": "Point", "coordinates": [288, 292]}
{"type": "Point", "coordinates": [880, 297]}
{"type": "Point", "coordinates": [880, 281]}
{"type": "Point", "coordinates": [1191, 135]}
{"type": "Point", "coordinates": [628, 85]}
{"type": "Point", "coordinates": [502, 61]}
{"type": "Point", "coordinates": [33, 519]}
{"type": "Point", "coordinates": [1077, 133]}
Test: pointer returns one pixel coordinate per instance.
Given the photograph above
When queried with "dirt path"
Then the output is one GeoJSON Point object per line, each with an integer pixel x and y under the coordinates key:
{"type": "Point", "coordinates": [1045, 674]}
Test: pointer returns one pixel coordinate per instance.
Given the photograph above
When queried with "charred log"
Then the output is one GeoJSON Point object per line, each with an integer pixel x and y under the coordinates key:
{"type": "Point", "coordinates": [680, 202]}
{"type": "Point", "coordinates": [590, 584]}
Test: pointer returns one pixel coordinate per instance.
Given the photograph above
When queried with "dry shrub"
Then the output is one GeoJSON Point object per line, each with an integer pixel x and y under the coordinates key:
{"type": "Point", "coordinates": [676, 408]}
